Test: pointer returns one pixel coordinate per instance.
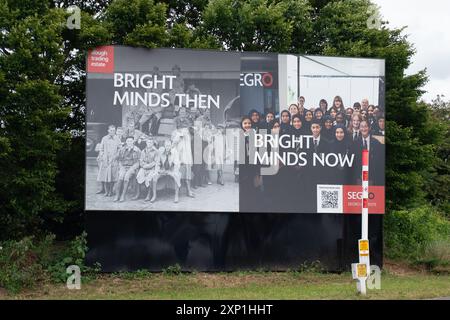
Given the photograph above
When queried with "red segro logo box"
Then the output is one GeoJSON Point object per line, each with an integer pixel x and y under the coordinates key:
{"type": "Point", "coordinates": [353, 199]}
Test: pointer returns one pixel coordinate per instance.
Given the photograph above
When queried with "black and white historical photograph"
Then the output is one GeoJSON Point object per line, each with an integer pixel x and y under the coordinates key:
{"type": "Point", "coordinates": [155, 131]}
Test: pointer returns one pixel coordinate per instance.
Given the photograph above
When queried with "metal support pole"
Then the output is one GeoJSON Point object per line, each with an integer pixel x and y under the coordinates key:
{"type": "Point", "coordinates": [364, 257]}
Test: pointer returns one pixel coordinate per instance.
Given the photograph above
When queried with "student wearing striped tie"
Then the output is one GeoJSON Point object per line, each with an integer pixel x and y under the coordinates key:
{"type": "Point", "coordinates": [320, 145]}
{"type": "Point", "coordinates": [353, 130]}
{"type": "Point", "coordinates": [376, 153]}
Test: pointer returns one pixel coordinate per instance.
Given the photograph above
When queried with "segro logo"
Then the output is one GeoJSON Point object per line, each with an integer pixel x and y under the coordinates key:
{"type": "Point", "coordinates": [358, 195]}
{"type": "Point", "coordinates": [256, 79]}
{"type": "Point", "coordinates": [353, 199]}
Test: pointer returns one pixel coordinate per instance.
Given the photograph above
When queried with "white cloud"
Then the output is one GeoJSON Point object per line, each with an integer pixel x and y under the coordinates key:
{"type": "Point", "coordinates": [428, 27]}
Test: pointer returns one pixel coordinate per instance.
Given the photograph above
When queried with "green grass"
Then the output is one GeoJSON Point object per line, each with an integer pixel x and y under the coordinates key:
{"type": "Point", "coordinates": [244, 285]}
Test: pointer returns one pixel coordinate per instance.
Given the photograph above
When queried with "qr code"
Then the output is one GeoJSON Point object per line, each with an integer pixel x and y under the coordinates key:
{"type": "Point", "coordinates": [329, 199]}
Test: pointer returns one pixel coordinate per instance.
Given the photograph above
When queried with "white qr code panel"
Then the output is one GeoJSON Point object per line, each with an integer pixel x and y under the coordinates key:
{"type": "Point", "coordinates": [329, 198]}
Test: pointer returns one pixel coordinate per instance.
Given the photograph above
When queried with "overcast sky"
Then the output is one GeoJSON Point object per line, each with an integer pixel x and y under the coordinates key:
{"type": "Point", "coordinates": [428, 27]}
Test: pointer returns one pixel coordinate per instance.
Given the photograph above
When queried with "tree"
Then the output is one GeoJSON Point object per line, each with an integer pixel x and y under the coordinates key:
{"type": "Point", "coordinates": [438, 181]}
{"type": "Point", "coordinates": [185, 12]}
{"type": "Point", "coordinates": [258, 25]}
{"type": "Point", "coordinates": [31, 61]}
{"type": "Point", "coordinates": [42, 81]}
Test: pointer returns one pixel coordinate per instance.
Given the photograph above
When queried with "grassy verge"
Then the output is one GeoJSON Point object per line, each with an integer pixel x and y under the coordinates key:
{"type": "Point", "coordinates": [246, 285]}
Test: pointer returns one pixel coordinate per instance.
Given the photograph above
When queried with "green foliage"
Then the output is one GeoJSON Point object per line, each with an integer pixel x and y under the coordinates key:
{"type": "Point", "coordinates": [310, 267]}
{"type": "Point", "coordinates": [408, 233]}
{"type": "Point", "coordinates": [174, 270]}
{"type": "Point", "coordinates": [19, 265]}
{"type": "Point", "coordinates": [407, 161]}
{"type": "Point", "coordinates": [89, 6]}
{"type": "Point", "coordinates": [28, 261]}
{"type": "Point", "coordinates": [137, 22]}
{"type": "Point", "coordinates": [185, 12]}
{"type": "Point", "coordinates": [258, 25]}
{"type": "Point", "coordinates": [73, 253]}
{"type": "Point", "coordinates": [31, 60]}
{"type": "Point", "coordinates": [438, 181]}
{"type": "Point", "coordinates": [437, 256]}
{"type": "Point", "coordinates": [138, 274]}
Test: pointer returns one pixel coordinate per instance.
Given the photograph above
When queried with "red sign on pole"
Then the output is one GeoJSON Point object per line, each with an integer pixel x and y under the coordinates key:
{"type": "Point", "coordinates": [365, 158]}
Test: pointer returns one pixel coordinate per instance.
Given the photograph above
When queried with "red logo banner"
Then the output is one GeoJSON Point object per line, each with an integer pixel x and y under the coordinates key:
{"type": "Point", "coordinates": [352, 197]}
{"type": "Point", "coordinates": [101, 60]}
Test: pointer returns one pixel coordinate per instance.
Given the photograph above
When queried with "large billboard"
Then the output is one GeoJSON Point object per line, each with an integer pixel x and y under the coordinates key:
{"type": "Point", "coordinates": [210, 131]}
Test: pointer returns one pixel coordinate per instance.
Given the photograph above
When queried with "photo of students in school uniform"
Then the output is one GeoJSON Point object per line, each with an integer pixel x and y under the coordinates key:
{"type": "Point", "coordinates": [339, 109]}
{"type": "Point", "coordinates": [292, 186]}
{"type": "Point", "coordinates": [146, 155]}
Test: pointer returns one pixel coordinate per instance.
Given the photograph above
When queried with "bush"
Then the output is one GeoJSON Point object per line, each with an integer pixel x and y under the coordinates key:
{"type": "Point", "coordinates": [311, 267]}
{"type": "Point", "coordinates": [133, 275]}
{"type": "Point", "coordinates": [26, 262]}
{"type": "Point", "coordinates": [174, 270]}
{"type": "Point", "coordinates": [72, 254]}
{"type": "Point", "coordinates": [20, 265]}
{"type": "Point", "coordinates": [408, 233]}
{"type": "Point", "coordinates": [437, 256]}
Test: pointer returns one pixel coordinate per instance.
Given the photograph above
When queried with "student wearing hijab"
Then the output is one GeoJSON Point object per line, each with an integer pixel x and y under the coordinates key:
{"type": "Point", "coordinates": [340, 147]}
{"type": "Point", "coordinates": [297, 126]}
{"type": "Point", "coordinates": [249, 174]}
{"type": "Point", "coordinates": [297, 131]}
{"type": "Point", "coordinates": [284, 174]}
{"type": "Point", "coordinates": [270, 116]}
{"type": "Point", "coordinates": [340, 119]}
{"type": "Point", "coordinates": [333, 113]}
{"type": "Point", "coordinates": [274, 127]}
{"type": "Point", "coordinates": [293, 176]}
{"type": "Point", "coordinates": [255, 117]}
{"type": "Point", "coordinates": [327, 130]}
{"type": "Point", "coordinates": [274, 192]}
{"type": "Point", "coordinates": [340, 140]}
{"type": "Point", "coordinates": [308, 121]}
{"type": "Point", "coordinates": [318, 114]}
{"type": "Point", "coordinates": [285, 125]}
